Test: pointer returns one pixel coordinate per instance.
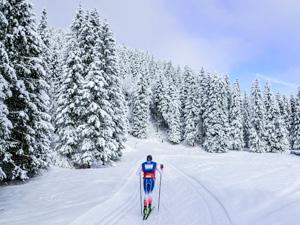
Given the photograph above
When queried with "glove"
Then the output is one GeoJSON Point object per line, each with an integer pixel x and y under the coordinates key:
{"type": "Point", "coordinates": [161, 166]}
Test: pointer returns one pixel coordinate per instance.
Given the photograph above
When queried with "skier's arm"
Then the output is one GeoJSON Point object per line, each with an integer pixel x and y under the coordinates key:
{"type": "Point", "coordinates": [139, 170]}
{"type": "Point", "coordinates": [160, 169]}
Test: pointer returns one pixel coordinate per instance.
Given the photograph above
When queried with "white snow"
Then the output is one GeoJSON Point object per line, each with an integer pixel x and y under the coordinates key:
{"type": "Point", "coordinates": [238, 188]}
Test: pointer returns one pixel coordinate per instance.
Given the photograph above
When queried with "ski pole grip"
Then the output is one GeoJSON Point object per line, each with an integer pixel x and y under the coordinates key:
{"type": "Point", "coordinates": [161, 166]}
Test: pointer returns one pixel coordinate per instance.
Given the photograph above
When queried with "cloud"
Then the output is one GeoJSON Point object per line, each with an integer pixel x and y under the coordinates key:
{"type": "Point", "coordinates": [237, 36]}
{"type": "Point", "coordinates": [276, 80]}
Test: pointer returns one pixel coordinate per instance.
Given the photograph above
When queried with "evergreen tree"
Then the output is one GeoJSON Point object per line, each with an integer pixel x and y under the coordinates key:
{"type": "Point", "coordinates": [141, 106]}
{"type": "Point", "coordinates": [161, 100]}
{"type": "Point", "coordinates": [285, 108]}
{"type": "Point", "coordinates": [97, 130]}
{"type": "Point", "coordinates": [191, 107]}
{"type": "Point", "coordinates": [257, 120]}
{"type": "Point", "coordinates": [115, 93]}
{"type": "Point", "coordinates": [70, 107]}
{"type": "Point", "coordinates": [217, 117]}
{"type": "Point", "coordinates": [287, 117]}
{"type": "Point", "coordinates": [201, 89]}
{"type": "Point", "coordinates": [174, 125]}
{"type": "Point", "coordinates": [205, 86]}
{"type": "Point", "coordinates": [296, 133]}
{"type": "Point", "coordinates": [7, 75]}
{"type": "Point", "coordinates": [236, 118]}
{"type": "Point", "coordinates": [293, 112]}
{"type": "Point", "coordinates": [246, 119]}
{"type": "Point", "coordinates": [276, 133]}
{"type": "Point", "coordinates": [44, 32]}
{"type": "Point", "coordinates": [28, 103]}
{"type": "Point", "coordinates": [57, 46]}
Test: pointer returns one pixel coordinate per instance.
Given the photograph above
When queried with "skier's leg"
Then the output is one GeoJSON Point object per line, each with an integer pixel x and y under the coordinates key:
{"type": "Point", "coordinates": [151, 187]}
{"type": "Point", "coordinates": [146, 196]}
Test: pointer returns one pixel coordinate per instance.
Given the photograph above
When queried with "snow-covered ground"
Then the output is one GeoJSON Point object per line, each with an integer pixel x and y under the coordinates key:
{"type": "Point", "coordinates": [197, 188]}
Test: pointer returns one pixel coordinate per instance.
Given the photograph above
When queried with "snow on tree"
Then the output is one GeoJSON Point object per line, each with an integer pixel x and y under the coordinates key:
{"type": "Point", "coordinates": [7, 75]}
{"type": "Point", "coordinates": [276, 133]}
{"type": "Point", "coordinates": [216, 139]}
{"type": "Point", "coordinates": [246, 119]}
{"type": "Point", "coordinates": [44, 32]}
{"type": "Point", "coordinates": [296, 133]}
{"type": "Point", "coordinates": [204, 87]}
{"type": "Point", "coordinates": [70, 106]}
{"type": "Point", "coordinates": [97, 130]}
{"type": "Point", "coordinates": [293, 112]}
{"type": "Point", "coordinates": [285, 112]}
{"type": "Point", "coordinates": [173, 115]}
{"type": "Point", "coordinates": [191, 107]}
{"type": "Point", "coordinates": [55, 66]}
{"type": "Point", "coordinates": [257, 136]}
{"type": "Point", "coordinates": [236, 118]}
{"type": "Point", "coordinates": [141, 105]}
{"type": "Point", "coordinates": [115, 93]}
{"type": "Point", "coordinates": [161, 100]}
{"type": "Point", "coordinates": [28, 103]}
{"type": "Point", "coordinates": [287, 117]}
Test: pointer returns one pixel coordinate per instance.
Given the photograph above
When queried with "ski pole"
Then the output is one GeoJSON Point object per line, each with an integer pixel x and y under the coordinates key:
{"type": "Point", "coordinates": [141, 195]}
{"type": "Point", "coordinates": [161, 167]}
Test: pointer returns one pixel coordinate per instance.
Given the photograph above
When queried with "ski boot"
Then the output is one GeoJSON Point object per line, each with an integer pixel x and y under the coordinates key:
{"type": "Point", "coordinates": [145, 210]}
{"type": "Point", "coordinates": [149, 208]}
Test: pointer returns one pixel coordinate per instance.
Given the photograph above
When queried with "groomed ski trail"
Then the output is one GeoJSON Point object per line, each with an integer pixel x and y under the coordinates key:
{"type": "Point", "coordinates": [184, 200]}
{"type": "Point", "coordinates": [216, 210]}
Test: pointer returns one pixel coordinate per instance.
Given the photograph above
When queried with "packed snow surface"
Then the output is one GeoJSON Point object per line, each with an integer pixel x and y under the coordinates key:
{"type": "Point", "coordinates": [238, 188]}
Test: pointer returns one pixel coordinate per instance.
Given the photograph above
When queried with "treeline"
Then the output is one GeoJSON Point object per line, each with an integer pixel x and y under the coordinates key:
{"type": "Point", "coordinates": [69, 97]}
{"type": "Point", "coordinates": [206, 110]}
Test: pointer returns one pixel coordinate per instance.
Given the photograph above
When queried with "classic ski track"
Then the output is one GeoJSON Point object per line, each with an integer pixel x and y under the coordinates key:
{"type": "Point", "coordinates": [209, 210]}
{"type": "Point", "coordinates": [210, 195]}
{"type": "Point", "coordinates": [116, 215]}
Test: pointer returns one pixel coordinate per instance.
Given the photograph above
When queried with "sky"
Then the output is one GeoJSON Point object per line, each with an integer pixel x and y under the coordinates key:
{"type": "Point", "coordinates": [245, 38]}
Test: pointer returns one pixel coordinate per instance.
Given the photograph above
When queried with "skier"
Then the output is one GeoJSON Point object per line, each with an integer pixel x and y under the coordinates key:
{"type": "Point", "coordinates": [149, 169]}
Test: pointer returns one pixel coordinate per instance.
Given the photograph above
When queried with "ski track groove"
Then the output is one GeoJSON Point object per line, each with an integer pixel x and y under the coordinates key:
{"type": "Point", "coordinates": [220, 213]}
{"type": "Point", "coordinates": [113, 218]}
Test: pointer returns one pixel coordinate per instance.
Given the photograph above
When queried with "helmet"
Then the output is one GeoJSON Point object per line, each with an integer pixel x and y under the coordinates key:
{"type": "Point", "coordinates": [149, 157]}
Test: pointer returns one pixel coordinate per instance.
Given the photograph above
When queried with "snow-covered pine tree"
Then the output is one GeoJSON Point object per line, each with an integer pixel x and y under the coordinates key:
{"type": "Point", "coordinates": [161, 100]}
{"type": "Point", "coordinates": [246, 119]}
{"type": "Point", "coordinates": [293, 111]}
{"type": "Point", "coordinates": [116, 97]}
{"type": "Point", "coordinates": [44, 32]}
{"type": "Point", "coordinates": [216, 139]}
{"type": "Point", "coordinates": [57, 46]}
{"type": "Point", "coordinates": [279, 100]}
{"type": "Point", "coordinates": [257, 119]}
{"type": "Point", "coordinates": [141, 105]}
{"type": "Point", "coordinates": [229, 99]}
{"type": "Point", "coordinates": [191, 107]}
{"type": "Point", "coordinates": [174, 113]}
{"type": "Point", "coordinates": [228, 90]}
{"type": "Point", "coordinates": [97, 128]}
{"type": "Point", "coordinates": [28, 103]}
{"type": "Point", "coordinates": [7, 75]}
{"type": "Point", "coordinates": [124, 61]}
{"type": "Point", "coordinates": [201, 88]}
{"type": "Point", "coordinates": [276, 133]}
{"type": "Point", "coordinates": [205, 82]}
{"type": "Point", "coordinates": [287, 117]}
{"type": "Point", "coordinates": [284, 107]}
{"type": "Point", "coordinates": [296, 133]}
{"type": "Point", "coordinates": [236, 118]}
{"type": "Point", "coordinates": [70, 107]}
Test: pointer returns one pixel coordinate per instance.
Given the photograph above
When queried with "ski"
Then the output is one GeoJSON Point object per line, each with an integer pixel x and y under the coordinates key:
{"type": "Point", "coordinates": [148, 214]}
